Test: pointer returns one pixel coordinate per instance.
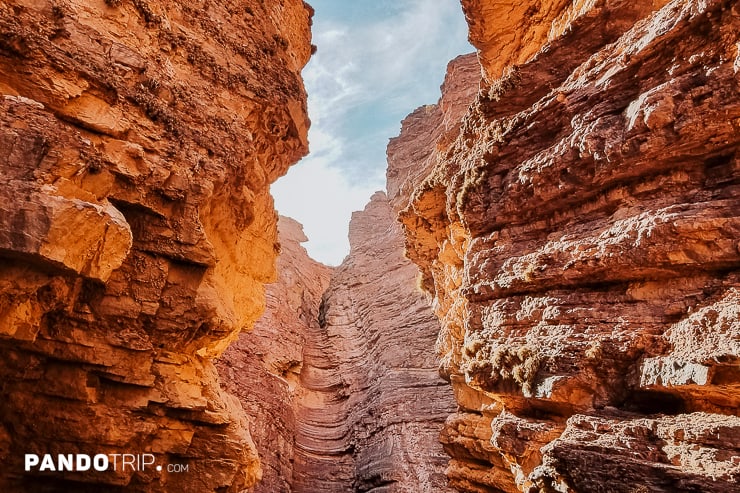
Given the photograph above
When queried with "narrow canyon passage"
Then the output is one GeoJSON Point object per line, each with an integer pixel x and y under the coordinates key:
{"type": "Point", "coordinates": [344, 359]}
{"type": "Point", "coordinates": [546, 298]}
{"type": "Point", "coordinates": [578, 233]}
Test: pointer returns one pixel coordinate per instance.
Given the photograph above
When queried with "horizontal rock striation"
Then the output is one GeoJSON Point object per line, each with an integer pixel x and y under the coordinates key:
{"type": "Point", "coordinates": [580, 239]}
{"type": "Point", "coordinates": [138, 140]}
{"type": "Point", "coordinates": [263, 367]}
{"type": "Point", "coordinates": [371, 404]}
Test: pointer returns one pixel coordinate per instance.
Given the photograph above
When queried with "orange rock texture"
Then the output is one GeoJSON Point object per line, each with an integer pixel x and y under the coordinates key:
{"type": "Point", "coordinates": [580, 236]}
{"type": "Point", "coordinates": [138, 142]}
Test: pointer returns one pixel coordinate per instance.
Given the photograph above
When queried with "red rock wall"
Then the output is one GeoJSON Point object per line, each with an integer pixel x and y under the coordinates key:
{"type": "Point", "coordinates": [263, 368]}
{"type": "Point", "coordinates": [371, 403]}
{"type": "Point", "coordinates": [137, 142]}
{"type": "Point", "coordinates": [580, 240]}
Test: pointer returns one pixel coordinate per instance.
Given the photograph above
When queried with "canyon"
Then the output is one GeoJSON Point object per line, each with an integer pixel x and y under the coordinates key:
{"type": "Point", "coordinates": [546, 298]}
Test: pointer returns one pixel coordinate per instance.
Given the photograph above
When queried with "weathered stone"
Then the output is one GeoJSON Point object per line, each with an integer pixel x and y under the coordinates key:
{"type": "Point", "coordinates": [343, 387]}
{"type": "Point", "coordinates": [371, 404]}
{"type": "Point", "coordinates": [137, 144]}
{"type": "Point", "coordinates": [88, 239]}
{"type": "Point", "coordinates": [263, 367]}
{"type": "Point", "coordinates": [579, 237]}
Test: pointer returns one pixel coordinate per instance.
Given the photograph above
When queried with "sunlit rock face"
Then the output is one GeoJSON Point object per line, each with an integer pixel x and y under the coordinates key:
{"type": "Point", "coordinates": [580, 236]}
{"type": "Point", "coordinates": [138, 142]}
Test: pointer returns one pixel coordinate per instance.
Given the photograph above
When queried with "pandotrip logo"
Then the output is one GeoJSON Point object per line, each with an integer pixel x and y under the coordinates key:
{"type": "Point", "coordinates": [98, 463]}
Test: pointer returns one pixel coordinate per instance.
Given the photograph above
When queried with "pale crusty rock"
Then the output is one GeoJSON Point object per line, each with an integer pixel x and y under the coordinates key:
{"type": "Point", "coordinates": [687, 452]}
{"type": "Point", "coordinates": [371, 403]}
{"type": "Point", "coordinates": [580, 241]}
{"type": "Point", "coordinates": [704, 346]}
{"type": "Point", "coordinates": [262, 368]}
{"type": "Point", "coordinates": [138, 140]}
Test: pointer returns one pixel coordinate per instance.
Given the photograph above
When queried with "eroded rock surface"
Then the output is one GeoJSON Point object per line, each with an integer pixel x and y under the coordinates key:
{"type": "Point", "coordinates": [580, 239]}
{"type": "Point", "coordinates": [372, 404]}
{"type": "Point", "coordinates": [339, 376]}
{"type": "Point", "coordinates": [263, 367]}
{"type": "Point", "coordinates": [137, 143]}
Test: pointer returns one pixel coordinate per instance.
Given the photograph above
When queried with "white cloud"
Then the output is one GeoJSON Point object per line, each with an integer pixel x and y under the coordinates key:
{"type": "Point", "coordinates": [368, 74]}
{"type": "Point", "coordinates": [403, 55]}
{"type": "Point", "coordinates": [321, 198]}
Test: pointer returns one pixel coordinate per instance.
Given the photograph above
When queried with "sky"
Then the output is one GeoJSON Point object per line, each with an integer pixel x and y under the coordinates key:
{"type": "Point", "coordinates": [376, 62]}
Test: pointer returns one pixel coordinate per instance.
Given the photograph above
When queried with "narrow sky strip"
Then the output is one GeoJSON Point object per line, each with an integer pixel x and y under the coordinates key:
{"type": "Point", "coordinates": [376, 62]}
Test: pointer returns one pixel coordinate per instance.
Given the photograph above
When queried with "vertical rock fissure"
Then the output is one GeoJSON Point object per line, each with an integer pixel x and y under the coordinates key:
{"type": "Point", "coordinates": [373, 405]}
{"type": "Point", "coordinates": [368, 405]}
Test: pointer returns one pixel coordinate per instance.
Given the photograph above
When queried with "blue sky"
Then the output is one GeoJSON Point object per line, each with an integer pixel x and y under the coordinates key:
{"type": "Point", "coordinates": [376, 62]}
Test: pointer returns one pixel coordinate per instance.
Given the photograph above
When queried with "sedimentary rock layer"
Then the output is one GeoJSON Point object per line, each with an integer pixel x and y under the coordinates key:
{"type": "Point", "coordinates": [580, 239]}
{"type": "Point", "coordinates": [371, 403]}
{"type": "Point", "coordinates": [137, 143]}
{"type": "Point", "coordinates": [262, 368]}
{"type": "Point", "coordinates": [341, 378]}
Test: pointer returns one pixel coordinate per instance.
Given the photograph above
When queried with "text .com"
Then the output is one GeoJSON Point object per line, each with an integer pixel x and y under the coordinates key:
{"type": "Point", "coordinates": [98, 462]}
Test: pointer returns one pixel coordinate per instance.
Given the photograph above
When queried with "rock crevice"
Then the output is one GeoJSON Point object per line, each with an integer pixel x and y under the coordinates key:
{"type": "Point", "coordinates": [340, 373]}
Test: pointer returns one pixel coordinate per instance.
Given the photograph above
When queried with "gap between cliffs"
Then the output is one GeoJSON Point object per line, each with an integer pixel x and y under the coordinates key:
{"type": "Point", "coordinates": [571, 203]}
{"type": "Point", "coordinates": [558, 241]}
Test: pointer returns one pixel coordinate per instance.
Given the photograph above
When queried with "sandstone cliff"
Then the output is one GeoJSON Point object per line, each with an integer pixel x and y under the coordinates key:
{"type": "Point", "coordinates": [372, 404]}
{"type": "Point", "coordinates": [339, 376]}
{"type": "Point", "coordinates": [263, 368]}
{"type": "Point", "coordinates": [580, 237]}
{"type": "Point", "coordinates": [138, 142]}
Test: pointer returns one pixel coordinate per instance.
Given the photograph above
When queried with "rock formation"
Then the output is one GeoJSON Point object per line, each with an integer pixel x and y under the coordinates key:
{"type": "Point", "coordinates": [580, 237]}
{"type": "Point", "coordinates": [572, 203]}
{"type": "Point", "coordinates": [412, 155]}
{"type": "Point", "coordinates": [372, 404]}
{"type": "Point", "coordinates": [340, 377]}
{"type": "Point", "coordinates": [138, 142]}
{"type": "Point", "coordinates": [344, 388]}
{"type": "Point", "coordinates": [263, 367]}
